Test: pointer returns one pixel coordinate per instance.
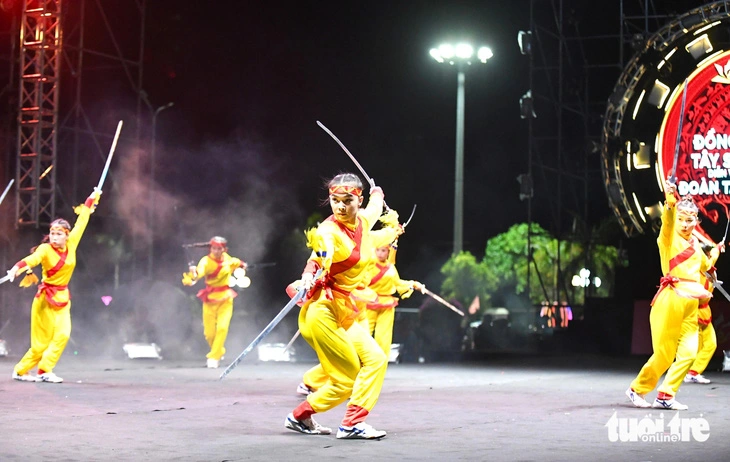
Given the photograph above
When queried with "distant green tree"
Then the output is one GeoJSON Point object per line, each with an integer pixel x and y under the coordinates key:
{"type": "Point", "coordinates": [467, 278]}
{"type": "Point", "coordinates": [504, 269]}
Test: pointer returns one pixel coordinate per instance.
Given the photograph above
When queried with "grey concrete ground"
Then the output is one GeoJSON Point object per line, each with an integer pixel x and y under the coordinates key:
{"type": "Point", "coordinates": [500, 408]}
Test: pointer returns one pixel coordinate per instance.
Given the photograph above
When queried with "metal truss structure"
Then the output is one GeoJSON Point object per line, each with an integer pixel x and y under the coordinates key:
{"type": "Point", "coordinates": [576, 57]}
{"type": "Point", "coordinates": [37, 123]}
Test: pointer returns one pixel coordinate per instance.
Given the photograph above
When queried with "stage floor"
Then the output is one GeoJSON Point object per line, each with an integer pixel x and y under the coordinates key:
{"type": "Point", "coordinates": [501, 408]}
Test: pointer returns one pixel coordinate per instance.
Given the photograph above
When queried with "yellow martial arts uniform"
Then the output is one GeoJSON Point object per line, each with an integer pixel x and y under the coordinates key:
{"type": "Point", "coordinates": [50, 315]}
{"type": "Point", "coordinates": [385, 281]}
{"type": "Point", "coordinates": [707, 341]}
{"type": "Point", "coordinates": [352, 362]}
{"type": "Point", "coordinates": [217, 300]}
{"type": "Point", "coordinates": [673, 317]}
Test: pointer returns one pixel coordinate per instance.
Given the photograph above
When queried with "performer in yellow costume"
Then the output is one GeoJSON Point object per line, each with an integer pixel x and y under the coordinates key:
{"type": "Point", "coordinates": [707, 338]}
{"type": "Point", "coordinates": [342, 250]}
{"type": "Point", "coordinates": [217, 296]}
{"type": "Point", "coordinates": [50, 317]}
{"type": "Point", "coordinates": [673, 317]}
{"type": "Point", "coordinates": [385, 281]}
{"type": "Point", "coordinates": [363, 297]}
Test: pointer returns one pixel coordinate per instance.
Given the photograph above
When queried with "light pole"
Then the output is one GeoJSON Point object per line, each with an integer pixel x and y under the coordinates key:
{"type": "Point", "coordinates": [460, 56]}
{"type": "Point", "coordinates": [151, 210]}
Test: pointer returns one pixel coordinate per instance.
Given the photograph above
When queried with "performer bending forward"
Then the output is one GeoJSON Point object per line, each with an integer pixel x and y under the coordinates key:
{"type": "Point", "coordinates": [673, 317]}
{"type": "Point", "coordinates": [217, 268]}
{"type": "Point", "coordinates": [342, 249]}
{"type": "Point", "coordinates": [50, 315]}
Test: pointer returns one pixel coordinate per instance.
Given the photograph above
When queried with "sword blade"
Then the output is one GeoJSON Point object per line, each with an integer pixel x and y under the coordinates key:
{"type": "Point", "coordinates": [5, 279]}
{"type": "Point", "coordinates": [443, 302]}
{"type": "Point", "coordinates": [291, 342]}
{"type": "Point", "coordinates": [267, 330]}
{"type": "Point", "coordinates": [349, 154]}
{"type": "Point", "coordinates": [109, 157]}
{"type": "Point", "coordinates": [5, 193]}
{"type": "Point", "coordinates": [716, 284]}
{"type": "Point", "coordinates": [411, 217]}
{"type": "Point", "coordinates": [673, 176]}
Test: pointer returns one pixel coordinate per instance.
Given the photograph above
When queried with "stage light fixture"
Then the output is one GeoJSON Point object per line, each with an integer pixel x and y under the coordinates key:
{"type": "Point", "coordinates": [658, 94]}
{"type": "Point", "coordinates": [689, 21]}
{"type": "Point", "coordinates": [526, 190]}
{"type": "Point", "coordinates": [699, 46]}
{"type": "Point", "coordinates": [527, 110]}
{"type": "Point", "coordinates": [142, 350]}
{"type": "Point", "coordinates": [524, 38]}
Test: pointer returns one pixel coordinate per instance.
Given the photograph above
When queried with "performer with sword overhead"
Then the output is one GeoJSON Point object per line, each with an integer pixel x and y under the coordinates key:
{"type": "Point", "coordinates": [218, 268]}
{"type": "Point", "coordinates": [673, 318]}
{"type": "Point", "coordinates": [342, 248]}
{"type": "Point", "coordinates": [50, 318]}
{"type": "Point", "coordinates": [363, 296]}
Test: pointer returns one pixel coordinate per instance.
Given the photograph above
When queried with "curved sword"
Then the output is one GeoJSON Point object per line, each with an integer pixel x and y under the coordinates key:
{"type": "Point", "coordinates": [357, 164]}
{"type": "Point", "coordinates": [411, 217]}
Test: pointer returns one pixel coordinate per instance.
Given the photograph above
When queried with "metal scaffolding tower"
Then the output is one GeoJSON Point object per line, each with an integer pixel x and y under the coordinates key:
{"type": "Point", "coordinates": [37, 116]}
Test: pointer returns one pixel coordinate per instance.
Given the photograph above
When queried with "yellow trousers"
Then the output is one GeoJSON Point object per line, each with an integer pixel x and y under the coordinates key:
{"type": "Point", "coordinates": [352, 364]}
{"type": "Point", "coordinates": [674, 327]}
{"type": "Point", "coordinates": [216, 321]}
{"type": "Point", "coordinates": [706, 348]}
{"type": "Point", "coordinates": [50, 330]}
{"type": "Point", "coordinates": [381, 327]}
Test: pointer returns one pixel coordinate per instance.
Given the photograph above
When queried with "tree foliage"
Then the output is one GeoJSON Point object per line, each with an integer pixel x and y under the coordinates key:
{"type": "Point", "coordinates": [467, 278]}
{"type": "Point", "coordinates": [504, 270]}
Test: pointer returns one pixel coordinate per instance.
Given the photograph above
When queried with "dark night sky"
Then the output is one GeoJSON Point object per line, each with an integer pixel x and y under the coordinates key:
{"type": "Point", "coordinates": [266, 74]}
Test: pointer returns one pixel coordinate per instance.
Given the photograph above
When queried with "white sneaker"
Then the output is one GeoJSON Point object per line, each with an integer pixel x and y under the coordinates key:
{"type": "Point", "coordinates": [50, 377]}
{"type": "Point", "coordinates": [360, 431]}
{"type": "Point", "coordinates": [302, 389]}
{"type": "Point", "coordinates": [27, 377]}
{"type": "Point", "coordinates": [307, 426]}
{"type": "Point", "coordinates": [637, 399]}
{"type": "Point", "coordinates": [699, 378]}
{"type": "Point", "coordinates": [671, 404]}
{"type": "Point", "coordinates": [212, 363]}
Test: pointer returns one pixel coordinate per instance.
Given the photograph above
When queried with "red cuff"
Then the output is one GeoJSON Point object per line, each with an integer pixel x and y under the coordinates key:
{"type": "Point", "coordinates": [311, 268]}
{"type": "Point", "coordinates": [21, 264]}
{"type": "Point", "coordinates": [89, 202]}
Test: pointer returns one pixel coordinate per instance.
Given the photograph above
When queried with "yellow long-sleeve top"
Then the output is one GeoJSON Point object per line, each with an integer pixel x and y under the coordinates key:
{"type": "Point", "coordinates": [704, 314]}
{"type": "Point", "coordinates": [682, 260]}
{"type": "Point", "coordinates": [58, 264]}
{"type": "Point", "coordinates": [344, 251]}
{"type": "Point", "coordinates": [217, 273]}
{"type": "Point", "coordinates": [385, 281]}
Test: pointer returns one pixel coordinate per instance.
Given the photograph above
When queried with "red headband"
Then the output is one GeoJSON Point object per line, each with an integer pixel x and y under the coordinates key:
{"type": "Point", "coordinates": [344, 189]}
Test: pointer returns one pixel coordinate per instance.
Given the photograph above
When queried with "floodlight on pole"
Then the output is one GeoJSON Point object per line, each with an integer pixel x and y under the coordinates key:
{"type": "Point", "coordinates": [460, 55]}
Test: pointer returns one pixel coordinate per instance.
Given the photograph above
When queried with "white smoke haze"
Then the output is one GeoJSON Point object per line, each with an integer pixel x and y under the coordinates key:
{"type": "Point", "coordinates": [228, 189]}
